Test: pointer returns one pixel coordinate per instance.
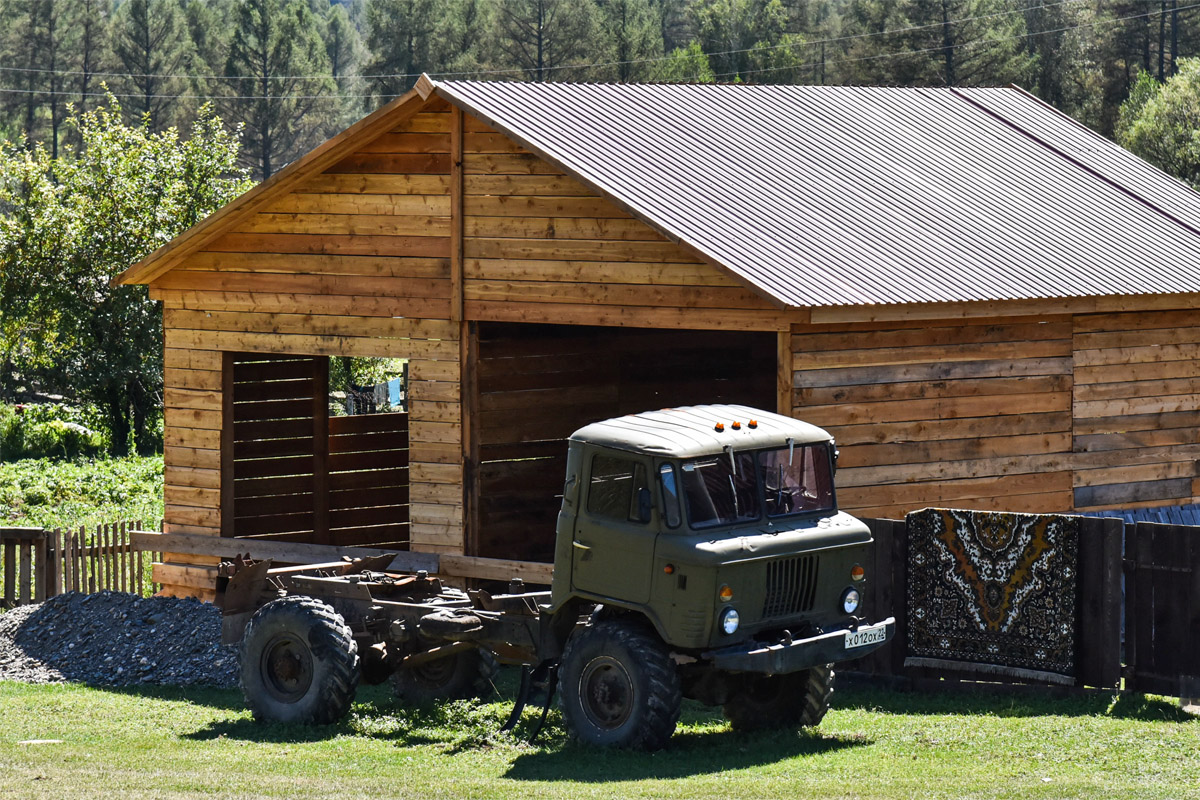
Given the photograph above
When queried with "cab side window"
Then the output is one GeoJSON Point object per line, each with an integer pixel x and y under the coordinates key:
{"type": "Point", "coordinates": [617, 489]}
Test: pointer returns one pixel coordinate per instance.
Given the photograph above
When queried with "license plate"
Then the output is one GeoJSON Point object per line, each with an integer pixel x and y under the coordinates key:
{"type": "Point", "coordinates": [865, 636]}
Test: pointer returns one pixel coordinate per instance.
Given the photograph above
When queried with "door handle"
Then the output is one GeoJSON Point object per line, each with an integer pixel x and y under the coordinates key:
{"type": "Point", "coordinates": [580, 545]}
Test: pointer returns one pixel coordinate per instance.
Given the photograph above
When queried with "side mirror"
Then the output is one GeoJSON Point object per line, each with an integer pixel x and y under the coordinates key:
{"type": "Point", "coordinates": [645, 505]}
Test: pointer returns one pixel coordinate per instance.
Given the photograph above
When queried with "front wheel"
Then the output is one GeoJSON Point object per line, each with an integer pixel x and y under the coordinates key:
{"type": "Point", "coordinates": [772, 701]}
{"type": "Point", "coordinates": [299, 662]}
{"type": "Point", "coordinates": [619, 686]}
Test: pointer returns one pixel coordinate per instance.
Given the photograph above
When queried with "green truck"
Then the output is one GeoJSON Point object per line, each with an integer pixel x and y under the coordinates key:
{"type": "Point", "coordinates": [699, 553]}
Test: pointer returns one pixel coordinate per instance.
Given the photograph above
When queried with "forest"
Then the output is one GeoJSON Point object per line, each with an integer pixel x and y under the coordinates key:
{"type": "Point", "coordinates": [293, 72]}
{"type": "Point", "coordinates": [124, 123]}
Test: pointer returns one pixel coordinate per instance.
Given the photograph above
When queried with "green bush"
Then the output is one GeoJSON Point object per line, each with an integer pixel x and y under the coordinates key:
{"type": "Point", "coordinates": [46, 431]}
{"type": "Point", "coordinates": [64, 494]}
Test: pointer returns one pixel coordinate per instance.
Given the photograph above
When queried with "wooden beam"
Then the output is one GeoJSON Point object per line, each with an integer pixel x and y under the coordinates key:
{"type": "Point", "coordinates": [783, 373]}
{"type": "Point", "coordinates": [456, 214]}
{"type": "Point", "coordinates": [226, 454]}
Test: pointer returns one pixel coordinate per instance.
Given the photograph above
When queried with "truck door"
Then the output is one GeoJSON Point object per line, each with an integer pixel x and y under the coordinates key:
{"type": "Point", "coordinates": [613, 547]}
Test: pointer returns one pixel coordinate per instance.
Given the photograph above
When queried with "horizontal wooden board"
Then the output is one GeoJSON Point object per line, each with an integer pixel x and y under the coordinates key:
{"type": "Point", "coordinates": [1118, 339]}
{"type": "Point", "coordinates": [191, 476]}
{"type": "Point", "coordinates": [1117, 373]}
{"type": "Point", "coordinates": [930, 335]}
{"type": "Point", "coordinates": [186, 280]}
{"type": "Point", "coordinates": [191, 457]}
{"type": "Point", "coordinates": [949, 492]}
{"type": "Point", "coordinates": [658, 296]}
{"type": "Point", "coordinates": [922, 390]}
{"type": "Point", "coordinates": [347, 224]}
{"type": "Point", "coordinates": [318, 264]}
{"type": "Point", "coordinates": [932, 354]}
{"type": "Point", "coordinates": [930, 430]}
{"type": "Point", "coordinates": [319, 345]}
{"type": "Point", "coordinates": [851, 413]}
{"type": "Point", "coordinates": [499, 205]}
{"type": "Point", "coordinates": [603, 272]}
{"type": "Point", "coordinates": [318, 324]}
{"type": "Point", "coordinates": [177, 378]}
{"type": "Point", "coordinates": [360, 306]}
{"type": "Point", "coordinates": [1155, 437]}
{"type": "Point", "coordinates": [1179, 490]}
{"type": "Point", "coordinates": [523, 185]}
{"type": "Point", "coordinates": [372, 183]}
{"type": "Point", "coordinates": [327, 244]}
{"type": "Point", "coordinates": [398, 163]}
{"type": "Point", "coordinates": [901, 453]}
{"type": "Point", "coordinates": [358, 203]}
{"type": "Point", "coordinates": [931, 372]}
{"type": "Point", "coordinates": [408, 142]}
{"type": "Point", "coordinates": [200, 400]}
{"type": "Point", "coordinates": [629, 230]}
{"type": "Point", "coordinates": [1138, 355]}
{"type": "Point", "coordinates": [186, 358]}
{"type": "Point", "coordinates": [1135, 388]}
{"type": "Point", "coordinates": [1137, 405]}
{"type": "Point", "coordinates": [192, 437]}
{"type": "Point", "coordinates": [627, 316]}
{"type": "Point", "coordinates": [504, 164]}
{"type": "Point", "coordinates": [662, 252]}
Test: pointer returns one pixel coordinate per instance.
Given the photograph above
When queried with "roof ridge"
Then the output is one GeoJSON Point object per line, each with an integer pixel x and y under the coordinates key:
{"type": "Point", "coordinates": [1096, 173]}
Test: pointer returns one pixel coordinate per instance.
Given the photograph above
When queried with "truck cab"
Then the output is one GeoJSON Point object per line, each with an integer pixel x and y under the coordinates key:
{"type": "Point", "coordinates": [717, 529]}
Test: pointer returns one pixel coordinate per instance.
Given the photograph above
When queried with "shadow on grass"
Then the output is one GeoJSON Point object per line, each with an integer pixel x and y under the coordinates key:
{"type": "Point", "coordinates": [687, 754]}
{"type": "Point", "coordinates": [210, 696]}
{"type": "Point", "coordinates": [1149, 709]}
{"type": "Point", "coordinates": [1006, 703]}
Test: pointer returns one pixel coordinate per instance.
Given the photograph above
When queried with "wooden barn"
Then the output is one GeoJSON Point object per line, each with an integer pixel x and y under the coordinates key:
{"type": "Point", "coordinates": [988, 305]}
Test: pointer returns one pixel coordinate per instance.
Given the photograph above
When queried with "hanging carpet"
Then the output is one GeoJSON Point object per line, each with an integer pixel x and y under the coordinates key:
{"type": "Point", "coordinates": [993, 593]}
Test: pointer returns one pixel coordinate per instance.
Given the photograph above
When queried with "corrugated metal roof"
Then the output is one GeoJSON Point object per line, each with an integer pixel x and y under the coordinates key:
{"type": "Point", "coordinates": [824, 196]}
{"type": "Point", "coordinates": [690, 431]}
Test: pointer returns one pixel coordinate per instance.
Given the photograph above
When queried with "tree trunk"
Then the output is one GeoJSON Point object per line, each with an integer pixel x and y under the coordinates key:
{"type": "Point", "coordinates": [117, 411]}
{"type": "Point", "coordinates": [948, 43]}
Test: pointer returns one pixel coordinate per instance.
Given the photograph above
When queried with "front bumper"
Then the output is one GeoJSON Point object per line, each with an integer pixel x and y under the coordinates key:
{"type": "Point", "coordinates": [781, 659]}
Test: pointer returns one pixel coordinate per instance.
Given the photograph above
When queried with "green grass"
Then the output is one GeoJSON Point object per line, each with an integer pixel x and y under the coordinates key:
{"type": "Point", "coordinates": [186, 743]}
{"type": "Point", "coordinates": [66, 494]}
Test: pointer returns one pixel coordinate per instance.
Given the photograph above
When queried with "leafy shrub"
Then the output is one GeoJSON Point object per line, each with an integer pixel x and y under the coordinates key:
{"type": "Point", "coordinates": [46, 430]}
{"type": "Point", "coordinates": [64, 494]}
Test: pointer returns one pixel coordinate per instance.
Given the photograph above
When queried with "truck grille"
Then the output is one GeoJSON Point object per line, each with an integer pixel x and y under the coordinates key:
{"type": "Point", "coordinates": [791, 586]}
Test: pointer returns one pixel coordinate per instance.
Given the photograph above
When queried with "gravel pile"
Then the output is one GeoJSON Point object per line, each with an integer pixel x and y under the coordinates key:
{"type": "Point", "coordinates": [116, 639]}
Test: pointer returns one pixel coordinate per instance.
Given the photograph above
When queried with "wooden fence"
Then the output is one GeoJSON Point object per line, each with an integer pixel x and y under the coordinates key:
{"type": "Point", "coordinates": [1138, 598]}
{"type": "Point", "coordinates": [38, 563]}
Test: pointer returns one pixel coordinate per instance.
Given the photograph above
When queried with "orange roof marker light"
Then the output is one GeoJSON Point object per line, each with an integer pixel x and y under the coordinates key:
{"type": "Point", "coordinates": [752, 424]}
{"type": "Point", "coordinates": [737, 426]}
{"type": "Point", "coordinates": [719, 427]}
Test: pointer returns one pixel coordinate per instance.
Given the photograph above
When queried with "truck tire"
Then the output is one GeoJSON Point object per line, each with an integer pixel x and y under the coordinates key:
{"type": "Point", "coordinates": [464, 675]}
{"type": "Point", "coordinates": [299, 663]}
{"type": "Point", "coordinates": [619, 686]}
{"type": "Point", "coordinates": [774, 701]}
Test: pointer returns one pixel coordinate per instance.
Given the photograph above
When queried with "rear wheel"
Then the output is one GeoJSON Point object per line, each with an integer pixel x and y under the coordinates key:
{"type": "Point", "coordinates": [299, 662]}
{"type": "Point", "coordinates": [619, 686]}
{"type": "Point", "coordinates": [469, 673]}
{"type": "Point", "coordinates": [774, 701]}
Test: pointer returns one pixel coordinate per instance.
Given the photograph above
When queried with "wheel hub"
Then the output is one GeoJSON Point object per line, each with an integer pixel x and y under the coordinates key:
{"type": "Point", "coordinates": [287, 668]}
{"type": "Point", "coordinates": [607, 692]}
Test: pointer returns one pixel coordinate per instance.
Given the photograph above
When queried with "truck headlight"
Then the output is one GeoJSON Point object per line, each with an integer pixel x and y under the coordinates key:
{"type": "Point", "coordinates": [850, 600]}
{"type": "Point", "coordinates": [730, 620]}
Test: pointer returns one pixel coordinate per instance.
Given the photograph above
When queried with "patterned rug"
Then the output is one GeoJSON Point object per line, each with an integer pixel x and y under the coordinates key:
{"type": "Point", "coordinates": [993, 593]}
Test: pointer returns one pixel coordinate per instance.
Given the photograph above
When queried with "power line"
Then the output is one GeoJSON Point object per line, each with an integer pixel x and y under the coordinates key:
{"type": "Point", "coordinates": [730, 75]}
{"type": "Point", "coordinates": [964, 46]}
{"type": "Point", "coordinates": [509, 71]}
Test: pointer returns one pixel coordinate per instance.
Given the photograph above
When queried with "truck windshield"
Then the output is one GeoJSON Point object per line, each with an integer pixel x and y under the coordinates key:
{"type": "Point", "coordinates": [721, 490]}
{"type": "Point", "coordinates": [797, 480]}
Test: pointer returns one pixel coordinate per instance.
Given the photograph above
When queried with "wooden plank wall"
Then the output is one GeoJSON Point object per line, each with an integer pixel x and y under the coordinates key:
{"type": "Point", "coordinates": [354, 262]}
{"type": "Point", "coordinates": [1137, 409]}
{"type": "Point", "coordinates": [275, 442]}
{"type": "Point", "coordinates": [960, 413]}
{"type": "Point", "coordinates": [368, 480]}
{"type": "Point", "coordinates": [539, 383]}
{"type": "Point", "coordinates": [540, 247]}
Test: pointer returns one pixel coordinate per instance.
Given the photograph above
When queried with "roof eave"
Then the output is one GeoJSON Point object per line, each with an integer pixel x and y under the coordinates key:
{"type": "Point", "coordinates": [318, 159]}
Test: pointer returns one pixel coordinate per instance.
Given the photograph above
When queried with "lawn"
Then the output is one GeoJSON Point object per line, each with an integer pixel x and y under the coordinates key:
{"type": "Point", "coordinates": [186, 743]}
{"type": "Point", "coordinates": [48, 493]}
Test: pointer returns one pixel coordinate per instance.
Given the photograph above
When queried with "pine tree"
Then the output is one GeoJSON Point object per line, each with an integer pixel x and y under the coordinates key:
{"type": "Point", "coordinates": [152, 46]}
{"type": "Point", "coordinates": [92, 47]}
{"type": "Point", "coordinates": [399, 33]}
{"type": "Point", "coordinates": [635, 36]}
{"type": "Point", "coordinates": [460, 41]}
{"type": "Point", "coordinates": [346, 54]}
{"type": "Point", "coordinates": [750, 40]}
{"type": "Point", "coordinates": [279, 82]}
{"type": "Point", "coordinates": [544, 38]}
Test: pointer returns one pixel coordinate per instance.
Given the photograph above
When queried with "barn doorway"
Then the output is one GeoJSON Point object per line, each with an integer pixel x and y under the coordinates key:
{"type": "Point", "coordinates": [537, 384]}
{"type": "Point", "coordinates": [312, 460]}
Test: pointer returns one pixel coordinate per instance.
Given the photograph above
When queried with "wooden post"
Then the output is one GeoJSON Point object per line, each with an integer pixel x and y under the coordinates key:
{"type": "Point", "coordinates": [227, 445]}
{"type": "Point", "coordinates": [456, 214]}
{"type": "Point", "coordinates": [469, 383]}
{"type": "Point", "coordinates": [23, 579]}
{"type": "Point", "coordinates": [10, 572]}
{"type": "Point", "coordinates": [320, 411]}
{"type": "Point", "coordinates": [783, 373]}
